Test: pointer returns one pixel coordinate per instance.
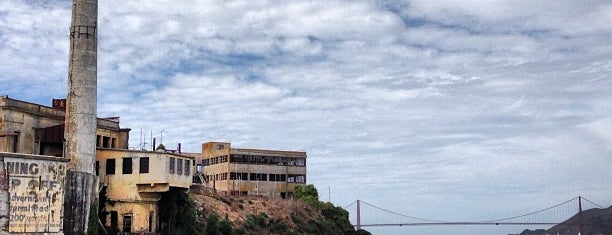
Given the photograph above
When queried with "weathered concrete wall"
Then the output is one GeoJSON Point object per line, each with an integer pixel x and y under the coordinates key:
{"type": "Point", "coordinates": [31, 193]}
{"type": "Point", "coordinates": [80, 131]}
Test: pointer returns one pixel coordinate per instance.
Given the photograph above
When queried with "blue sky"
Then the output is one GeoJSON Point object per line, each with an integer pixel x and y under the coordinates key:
{"type": "Point", "coordinates": [464, 105]}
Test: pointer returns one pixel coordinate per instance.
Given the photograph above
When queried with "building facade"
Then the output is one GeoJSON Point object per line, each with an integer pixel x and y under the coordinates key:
{"type": "Point", "coordinates": [37, 129]}
{"type": "Point", "coordinates": [135, 181]}
{"type": "Point", "coordinates": [272, 173]}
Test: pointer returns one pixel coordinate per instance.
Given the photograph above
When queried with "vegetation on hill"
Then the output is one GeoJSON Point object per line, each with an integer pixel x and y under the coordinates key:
{"type": "Point", "coordinates": [229, 215]}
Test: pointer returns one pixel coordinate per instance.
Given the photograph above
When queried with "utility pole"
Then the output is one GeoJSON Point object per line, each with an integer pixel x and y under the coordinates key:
{"type": "Point", "coordinates": [358, 215]}
{"type": "Point", "coordinates": [580, 218]}
{"type": "Point", "coordinates": [80, 126]}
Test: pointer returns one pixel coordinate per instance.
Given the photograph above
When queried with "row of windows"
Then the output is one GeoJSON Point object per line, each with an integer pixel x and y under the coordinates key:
{"type": "Point", "coordinates": [178, 168]}
{"type": "Point", "coordinates": [254, 159]}
{"type": "Point", "coordinates": [106, 142]}
{"type": "Point", "coordinates": [258, 177]}
{"type": "Point", "coordinates": [144, 166]}
{"type": "Point", "coordinates": [127, 166]}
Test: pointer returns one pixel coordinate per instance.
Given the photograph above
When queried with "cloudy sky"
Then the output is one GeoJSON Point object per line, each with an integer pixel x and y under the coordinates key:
{"type": "Point", "coordinates": [451, 110]}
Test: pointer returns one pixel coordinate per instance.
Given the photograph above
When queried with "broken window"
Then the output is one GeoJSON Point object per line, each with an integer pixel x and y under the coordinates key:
{"type": "Point", "coordinates": [127, 165]}
{"type": "Point", "coordinates": [144, 165]}
{"type": "Point", "coordinates": [110, 166]}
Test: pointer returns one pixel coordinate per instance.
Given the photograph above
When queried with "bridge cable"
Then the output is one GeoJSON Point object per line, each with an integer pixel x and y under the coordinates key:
{"type": "Point", "coordinates": [411, 217]}
{"type": "Point", "coordinates": [515, 217]}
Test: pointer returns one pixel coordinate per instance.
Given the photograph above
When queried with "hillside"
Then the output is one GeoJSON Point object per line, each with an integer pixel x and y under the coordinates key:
{"type": "Point", "coordinates": [596, 222]}
{"type": "Point", "coordinates": [221, 214]}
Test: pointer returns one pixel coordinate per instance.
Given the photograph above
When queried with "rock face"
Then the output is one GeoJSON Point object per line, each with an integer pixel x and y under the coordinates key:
{"type": "Point", "coordinates": [596, 222]}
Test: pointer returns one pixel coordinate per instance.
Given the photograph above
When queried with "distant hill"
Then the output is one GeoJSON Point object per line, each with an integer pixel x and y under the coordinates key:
{"type": "Point", "coordinates": [596, 222]}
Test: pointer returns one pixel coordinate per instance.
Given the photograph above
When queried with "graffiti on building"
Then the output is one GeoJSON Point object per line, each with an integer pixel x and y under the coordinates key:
{"type": "Point", "coordinates": [36, 194]}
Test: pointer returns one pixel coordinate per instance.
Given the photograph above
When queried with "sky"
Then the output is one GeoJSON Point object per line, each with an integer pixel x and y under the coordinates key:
{"type": "Point", "coordinates": [449, 110]}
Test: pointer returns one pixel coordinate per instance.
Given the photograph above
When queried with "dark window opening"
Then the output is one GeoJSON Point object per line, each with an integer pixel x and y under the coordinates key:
{"type": "Point", "coordinates": [127, 223]}
{"type": "Point", "coordinates": [258, 177]}
{"type": "Point", "coordinates": [179, 166]}
{"type": "Point", "coordinates": [110, 166]}
{"type": "Point", "coordinates": [97, 167]}
{"type": "Point", "coordinates": [105, 141]}
{"type": "Point", "coordinates": [114, 143]}
{"type": "Point", "coordinates": [127, 165]}
{"type": "Point", "coordinates": [114, 221]}
{"type": "Point", "coordinates": [98, 140]}
{"type": "Point", "coordinates": [144, 165]}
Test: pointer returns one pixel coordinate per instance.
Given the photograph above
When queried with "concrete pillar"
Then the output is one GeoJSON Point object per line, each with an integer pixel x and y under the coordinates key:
{"type": "Point", "coordinates": [4, 199]}
{"type": "Point", "coordinates": [80, 129]}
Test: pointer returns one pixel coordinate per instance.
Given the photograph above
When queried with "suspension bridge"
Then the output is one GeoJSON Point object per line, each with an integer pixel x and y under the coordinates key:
{"type": "Point", "coordinates": [364, 214]}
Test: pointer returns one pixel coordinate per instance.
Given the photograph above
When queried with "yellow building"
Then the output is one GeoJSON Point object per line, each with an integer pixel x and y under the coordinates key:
{"type": "Point", "coordinates": [134, 182]}
{"type": "Point", "coordinates": [271, 173]}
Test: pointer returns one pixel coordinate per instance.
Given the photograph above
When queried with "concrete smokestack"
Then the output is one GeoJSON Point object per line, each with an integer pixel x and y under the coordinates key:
{"type": "Point", "coordinates": [80, 129]}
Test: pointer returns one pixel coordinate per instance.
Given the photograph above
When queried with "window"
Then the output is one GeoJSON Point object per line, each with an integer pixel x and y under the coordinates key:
{"type": "Point", "coordinates": [151, 220]}
{"type": "Point", "coordinates": [105, 141]}
{"type": "Point", "coordinates": [187, 167]}
{"type": "Point", "coordinates": [223, 159]}
{"type": "Point", "coordinates": [110, 166]}
{"type": "Point", "coordinates": [144, 165]}
{"type": "Point", "coordinates": [127, 223]}
{"type": "Point", "coordinates": [114, 220]}
{"type": "Point", "coordinates": [171, 165]}
{"type": "Point", "coordinates": [98, 140]}
{"type": "Point", "coordinates": [97, 167]}
{"type": "Point", "coordinates": [259, 177]}
{"type": "Point", "coordinates": [179, 166]}
{"type": "Point", "coordinates": [296, 179]}
{"type": "Point", "coordinates": [205, 162]}
{"type": "Point", "coordinates": [277, 177]}
{"type": "Point", "coordinates": [127, 165]}
{"type": "Point", "coordinates": [113, 142]}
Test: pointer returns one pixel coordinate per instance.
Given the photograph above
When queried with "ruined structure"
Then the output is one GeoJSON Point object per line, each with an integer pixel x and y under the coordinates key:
{"type": "Point", "coordinates": [270, 173]}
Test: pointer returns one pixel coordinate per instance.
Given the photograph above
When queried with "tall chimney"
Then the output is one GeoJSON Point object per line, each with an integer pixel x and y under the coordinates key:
{"type": "Point", "coordinates": [80, 131]}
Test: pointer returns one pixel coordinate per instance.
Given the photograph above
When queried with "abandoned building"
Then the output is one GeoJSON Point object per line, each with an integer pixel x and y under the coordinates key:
{"type": "Point", "coordinates": [239, 171]}
{"type": "Point", "coordinates": [37, 129]}
{"type": "Point", "coordinates": [133, 181]}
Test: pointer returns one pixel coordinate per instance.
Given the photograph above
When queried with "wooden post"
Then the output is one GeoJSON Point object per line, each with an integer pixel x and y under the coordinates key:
{"type": "Point", "coordinates": [81, 123]}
